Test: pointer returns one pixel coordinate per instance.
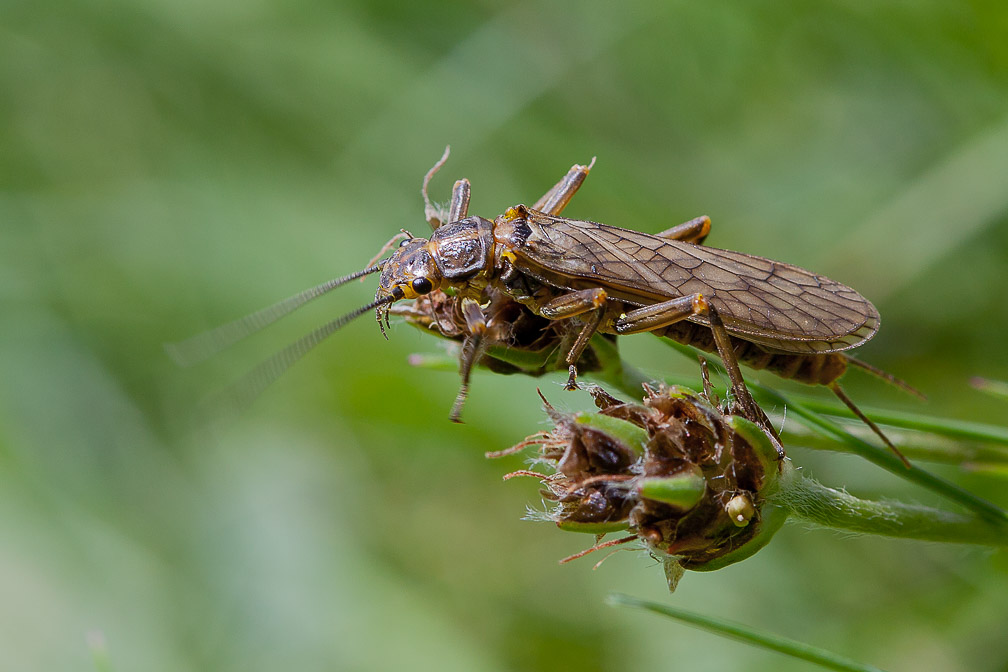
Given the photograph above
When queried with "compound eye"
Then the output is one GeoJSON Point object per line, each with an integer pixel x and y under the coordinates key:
{"type": "Point", "coordinates": [405, 242]}
{"type": "Point", "coordinates": [422, 285]}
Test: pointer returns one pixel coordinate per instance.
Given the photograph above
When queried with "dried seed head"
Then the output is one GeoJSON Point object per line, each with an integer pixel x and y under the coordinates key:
{"type": "Point", "coordinates": [689, 481]}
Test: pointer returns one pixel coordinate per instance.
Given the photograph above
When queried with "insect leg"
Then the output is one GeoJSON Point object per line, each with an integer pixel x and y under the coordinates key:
{"type": "Point", "coordinates": [570, 305]}
{"type": "Point", "coordinates": [694, 231]}
{"type": "Point", "coordinates": [458, 208]}
{"type": "Point", "coordinates": [556, 199]}
{"type": "Point", "coordinates": [587, 331]}
{"type": "Point", "coordinates": [472, 348]}
{"type": "Point", "coordinates": [744, 402]}
{"type": "Point", "coordinates": [573, 303]}
{"type": "Point", "coordinates": [662, 314]}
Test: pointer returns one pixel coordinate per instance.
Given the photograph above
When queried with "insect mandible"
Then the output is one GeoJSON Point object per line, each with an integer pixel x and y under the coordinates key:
{"type": "Point", "coordinates": [767, 314]}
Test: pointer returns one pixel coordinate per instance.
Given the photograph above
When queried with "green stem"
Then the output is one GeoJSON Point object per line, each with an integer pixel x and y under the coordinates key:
{"type": "Point", "coordinates": [888, 461]}
{"type": "Point", "coordinates": [744, 633]}
{"type": "Point", "coordinates": [813, 502]}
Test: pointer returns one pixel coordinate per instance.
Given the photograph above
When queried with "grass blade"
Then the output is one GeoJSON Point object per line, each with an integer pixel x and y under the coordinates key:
{"type": "Point", "coordinates": [955, 429]}
{"type": "Point", "coordinates": [744, 633]}
{"type": "Point", "coordinates": [885, 458]}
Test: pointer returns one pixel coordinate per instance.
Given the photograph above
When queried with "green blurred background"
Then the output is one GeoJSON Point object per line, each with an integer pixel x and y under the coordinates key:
{"type": "Point", "coordinates": [168, 165]}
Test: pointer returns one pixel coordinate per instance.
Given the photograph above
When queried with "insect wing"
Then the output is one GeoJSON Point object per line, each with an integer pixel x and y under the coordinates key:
{"type": "Point", "coordinates": [777, 305]}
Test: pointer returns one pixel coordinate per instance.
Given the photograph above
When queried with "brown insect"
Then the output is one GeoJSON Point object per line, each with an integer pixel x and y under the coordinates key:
{"type": "Point", "coordinates": [764, 313]}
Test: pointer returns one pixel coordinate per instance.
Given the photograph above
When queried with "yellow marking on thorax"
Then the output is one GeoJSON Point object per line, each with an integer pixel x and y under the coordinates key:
{"type": "Point", "coordinates": [513, 213]}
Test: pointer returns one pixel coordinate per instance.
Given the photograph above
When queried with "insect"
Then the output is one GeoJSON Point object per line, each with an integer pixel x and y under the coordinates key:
{"type": "Point", "coordinates": [767, 314]}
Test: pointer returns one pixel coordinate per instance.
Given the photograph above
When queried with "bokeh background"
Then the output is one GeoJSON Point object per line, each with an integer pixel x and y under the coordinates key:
{"type": "Point", "coordinates": [168, 165]}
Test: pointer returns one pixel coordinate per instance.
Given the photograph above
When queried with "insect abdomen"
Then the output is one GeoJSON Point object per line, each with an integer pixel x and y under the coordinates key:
{"type": "Point", "coordinates": [811, 369]}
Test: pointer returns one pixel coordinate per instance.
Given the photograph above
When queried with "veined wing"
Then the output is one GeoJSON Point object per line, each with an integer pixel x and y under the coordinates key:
{"type": "Point", "coordinates": [777, 305]}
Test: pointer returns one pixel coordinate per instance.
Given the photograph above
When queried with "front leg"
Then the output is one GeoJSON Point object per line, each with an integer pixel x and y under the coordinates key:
{"type": "Point", "coordinates": [571, 305]}
{"type": "Point", "coordinates": [472, 348]}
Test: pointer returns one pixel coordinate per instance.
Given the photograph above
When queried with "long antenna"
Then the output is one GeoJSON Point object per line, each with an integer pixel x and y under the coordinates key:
{"type": "Point", "coordinates": [203, 346]}
{"type": "Point", "coordinates": [239, 395]}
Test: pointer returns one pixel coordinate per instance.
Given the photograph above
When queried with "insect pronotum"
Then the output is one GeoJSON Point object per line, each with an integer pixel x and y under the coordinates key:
{"type": "Point", "coordinates": [764, 313]}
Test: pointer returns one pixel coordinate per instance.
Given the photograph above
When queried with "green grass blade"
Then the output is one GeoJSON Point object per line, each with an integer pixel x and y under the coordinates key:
{"type": "Point", "coordinates": [885, 458]}
{"type": "Point", "coordinates": [955, 429]}
{"type": "Point", "coordinates": [744, 633]}
{"type": "Point", "coordinates": [917, 446]}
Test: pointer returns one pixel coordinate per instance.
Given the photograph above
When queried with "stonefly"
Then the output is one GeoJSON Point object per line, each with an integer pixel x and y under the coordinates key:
{"type": "Point", "coordinates": [764, 313]}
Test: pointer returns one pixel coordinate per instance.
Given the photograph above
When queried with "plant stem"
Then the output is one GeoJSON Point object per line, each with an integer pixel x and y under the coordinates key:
{"type": "Point", "coordinates": [812, 501]}
{"type": "Point", "coordinates": [888, 461]}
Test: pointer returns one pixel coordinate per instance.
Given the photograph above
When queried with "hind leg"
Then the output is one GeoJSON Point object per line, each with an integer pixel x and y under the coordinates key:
{"type": "Point", "coordinates": [675, 310]}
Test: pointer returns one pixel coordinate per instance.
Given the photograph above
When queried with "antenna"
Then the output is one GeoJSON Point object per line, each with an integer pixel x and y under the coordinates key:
{"type": "Point", "coordinates": [204, 346]}
{"type": "Point", "coordinates": [240, 394]}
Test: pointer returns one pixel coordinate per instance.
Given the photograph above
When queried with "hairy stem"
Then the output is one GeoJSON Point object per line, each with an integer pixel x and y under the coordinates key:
{"type": "Point", "coordinates": [813, 502]}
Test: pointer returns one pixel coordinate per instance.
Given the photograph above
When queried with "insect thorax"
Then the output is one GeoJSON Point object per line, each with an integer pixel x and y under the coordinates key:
{"type": "Point", "coordinates": [464, 249]}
